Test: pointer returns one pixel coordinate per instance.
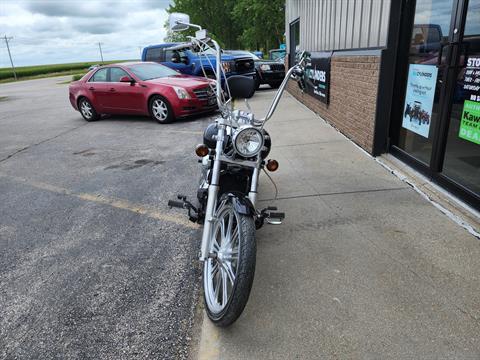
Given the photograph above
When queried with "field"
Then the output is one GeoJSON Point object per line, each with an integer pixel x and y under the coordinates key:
{"type": "Point", "coordinates": [24, 72]}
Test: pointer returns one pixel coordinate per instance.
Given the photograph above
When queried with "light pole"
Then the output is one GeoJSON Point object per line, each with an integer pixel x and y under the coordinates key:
{"type": "Point", "coordinates": [100, 48]}
{"type": "Point", "coordinates": [10, 55]}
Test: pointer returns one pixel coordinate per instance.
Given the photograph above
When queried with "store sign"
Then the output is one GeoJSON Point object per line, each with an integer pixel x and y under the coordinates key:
{"type": "Point", "coordinates": [417, 113]}
{"type": "Point", "coordinates": [471, 79]}
{"type": "Point", "coordinates": [470, 123]}
{"type": "Point", "coordinates": [317, 75]}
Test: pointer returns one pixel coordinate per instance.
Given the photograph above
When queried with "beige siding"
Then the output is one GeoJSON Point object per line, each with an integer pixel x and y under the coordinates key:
{"type": "Point", "coordinates": [339, 24]}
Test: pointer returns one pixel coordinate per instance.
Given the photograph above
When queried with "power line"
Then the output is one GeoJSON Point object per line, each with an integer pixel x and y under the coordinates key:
{"type": "Point", "coordinates": [100, 47]}
{"type": "Point", "coordinates": [10, 55]}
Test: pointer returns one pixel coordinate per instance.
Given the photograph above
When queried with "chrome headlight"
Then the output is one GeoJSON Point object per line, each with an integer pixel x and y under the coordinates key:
{"type": "Point", "coordinates": [248, 141]}
{"type": "Point", "coordinates": [181, 92]}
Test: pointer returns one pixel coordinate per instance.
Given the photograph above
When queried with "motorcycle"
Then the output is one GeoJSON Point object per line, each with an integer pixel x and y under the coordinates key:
{"type": "Point", "coordinates": [233, 153]}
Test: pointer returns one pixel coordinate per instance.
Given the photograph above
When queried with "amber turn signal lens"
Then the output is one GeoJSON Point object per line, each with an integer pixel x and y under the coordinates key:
{"type": "Point", "coordinates": [272, 165]}
{"type": "Point", "coordinates": [201, 150]}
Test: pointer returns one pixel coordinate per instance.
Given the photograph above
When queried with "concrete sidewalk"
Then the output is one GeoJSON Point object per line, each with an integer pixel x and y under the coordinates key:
{"type": "Point", "coordinates": [363, 267]}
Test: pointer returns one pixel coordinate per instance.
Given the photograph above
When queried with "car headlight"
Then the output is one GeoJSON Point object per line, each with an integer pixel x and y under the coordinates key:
{"type": "Point", "coordinates": [265, 67]}
{"type": "Point", "coordinates": [181, 92]}
{"type": "Point", "coordinates": [227, 66]}
{"type": "Point", "coordinates": [248, 141]}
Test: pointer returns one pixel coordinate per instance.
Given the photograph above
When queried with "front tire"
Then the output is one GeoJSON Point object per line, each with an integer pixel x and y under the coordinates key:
{"type": "Point", "coordinates": [160, 109]}
{"type": "Point", "coordinates": [228, 277]}
{"type": "Point", "coordinates": [87, 110]}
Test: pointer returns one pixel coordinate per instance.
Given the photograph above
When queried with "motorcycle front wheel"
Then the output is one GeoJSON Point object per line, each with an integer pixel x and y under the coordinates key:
{"type": "Point", "coordinates": [228, 273]}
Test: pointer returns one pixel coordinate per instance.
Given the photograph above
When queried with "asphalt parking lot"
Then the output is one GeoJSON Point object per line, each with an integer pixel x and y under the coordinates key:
{"type": "Point", "coordinates": [93, 264]}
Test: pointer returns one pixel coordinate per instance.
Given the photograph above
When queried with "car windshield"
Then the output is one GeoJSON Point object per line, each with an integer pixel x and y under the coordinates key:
{"type": "Point", "coordinates": [151, 71]}
{"type": "Point", "coordinates": [277, 55]}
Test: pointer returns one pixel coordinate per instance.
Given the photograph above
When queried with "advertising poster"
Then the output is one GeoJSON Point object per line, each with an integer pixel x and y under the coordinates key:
{"type": "Point", "coordinates": [417, 113]}
{"type": "Point", "coordinates": [470, 123]}
{"type": "Point", "coordinates": [317, 75]}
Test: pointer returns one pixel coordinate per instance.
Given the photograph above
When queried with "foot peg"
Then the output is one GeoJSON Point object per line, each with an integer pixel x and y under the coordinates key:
{"type": "Point", "coordinates": [273, 218]}
{"type": "Point", "coordinates": [185, 204]}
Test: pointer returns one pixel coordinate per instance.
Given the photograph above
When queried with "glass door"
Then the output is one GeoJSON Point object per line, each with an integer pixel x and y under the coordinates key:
{"type": "Point", "coordinates": [462, 153]}
{"type": "Point", "coordinates": [426, 71]}
{"type": "Point", "coordinates": [436, 118]}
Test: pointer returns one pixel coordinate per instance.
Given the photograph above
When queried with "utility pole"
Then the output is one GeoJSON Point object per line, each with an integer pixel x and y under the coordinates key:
{"type": "Point", "coordinates": [100, 47]}
{"type": "Point", "coordinates": [10, 55]}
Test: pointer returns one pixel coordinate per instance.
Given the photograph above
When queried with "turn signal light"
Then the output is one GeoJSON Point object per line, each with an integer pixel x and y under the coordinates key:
{"type": "Point", "coordinates": [201, 150]}
{"type": "Point", "coordinates": [272, 165]}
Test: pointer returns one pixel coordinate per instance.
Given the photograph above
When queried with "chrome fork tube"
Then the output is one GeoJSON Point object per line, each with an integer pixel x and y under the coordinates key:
{"type": "Point", "coordinates": [252, 195]}
{"type": "Point", "coordinates": [212, 195]}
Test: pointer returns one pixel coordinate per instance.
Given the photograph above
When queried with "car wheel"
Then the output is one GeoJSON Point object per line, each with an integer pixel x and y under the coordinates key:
{"type": "Point", "coordinates": [87, 110]}
{"type": "Point", "coordinates": [161, 110]}
{"type": "Point", "coordinates": [257, 82]}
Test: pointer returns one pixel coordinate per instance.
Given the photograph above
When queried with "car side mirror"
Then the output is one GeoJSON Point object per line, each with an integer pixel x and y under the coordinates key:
{"type": "Point", "coordinates": [125, 79]}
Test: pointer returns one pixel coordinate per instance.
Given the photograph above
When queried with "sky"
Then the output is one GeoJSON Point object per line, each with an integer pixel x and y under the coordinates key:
{"type": "Point", "coordinates": [61, 31]}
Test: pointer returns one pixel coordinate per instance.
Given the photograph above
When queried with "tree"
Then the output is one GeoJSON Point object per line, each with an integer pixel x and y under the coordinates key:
{"type": "Point", "coordinates": [237, 24]}
{"type": "Point", "coordinates": [263, 22]}
{"type": "Point", "coordinates": [214, 15]}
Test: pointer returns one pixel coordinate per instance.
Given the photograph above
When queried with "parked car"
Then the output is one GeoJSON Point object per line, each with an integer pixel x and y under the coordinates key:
{"type": "Point", "coordinates": [277, 54]}
{"type": "Point", "coordinates": [142, 88]}
{"type": "Point", "coordinates": [189, 62]}
{"type": "Point", "coordinates": [266, 71]}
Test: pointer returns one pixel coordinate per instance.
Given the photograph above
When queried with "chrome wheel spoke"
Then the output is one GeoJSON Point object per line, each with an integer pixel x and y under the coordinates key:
{"type": "Point", "coordinates": [224, 288]}
{"type": "Point", "coordinates": [227, 267]}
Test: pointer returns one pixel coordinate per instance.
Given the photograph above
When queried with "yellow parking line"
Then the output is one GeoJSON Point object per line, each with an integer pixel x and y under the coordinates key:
{"type": "Point", "coordinates": [113, 202]}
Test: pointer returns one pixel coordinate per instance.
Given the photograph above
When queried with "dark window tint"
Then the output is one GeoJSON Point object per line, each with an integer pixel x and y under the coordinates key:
{"type": "Point", "coordinates": [174, 56]}
{"type": "Point", "coordinates": [116, 74]}
{"type": "Point", "coordinates": [100, 75]}
{"type": "Point", "coordinates": [153, 54]}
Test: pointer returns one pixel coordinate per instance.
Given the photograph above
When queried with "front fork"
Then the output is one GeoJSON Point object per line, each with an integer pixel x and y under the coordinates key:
{"type": "Point", "coordinates": [213, 189]}
{"type": "Point", "coordinates": [212, 194]}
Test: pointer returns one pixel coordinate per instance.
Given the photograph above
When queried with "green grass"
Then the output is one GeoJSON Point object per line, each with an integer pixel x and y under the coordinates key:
{"type": "Point", "coordinates": [39, 71]}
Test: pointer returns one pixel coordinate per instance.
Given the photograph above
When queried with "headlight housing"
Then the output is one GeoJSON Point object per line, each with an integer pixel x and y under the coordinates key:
{"type": "Point", "coordinates": [247, 141]}
{"type": "Point", "coordinates": [265, 67]}
{"type": "Point", "coordinates": [181, 92]}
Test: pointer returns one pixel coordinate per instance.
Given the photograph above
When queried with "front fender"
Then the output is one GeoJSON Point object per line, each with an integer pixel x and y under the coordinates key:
{"type": "Point", "coordinates": [242, 204]}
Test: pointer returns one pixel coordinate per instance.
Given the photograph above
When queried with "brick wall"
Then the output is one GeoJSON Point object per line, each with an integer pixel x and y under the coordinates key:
{"type": "Point", "coordinates": [353, 97]}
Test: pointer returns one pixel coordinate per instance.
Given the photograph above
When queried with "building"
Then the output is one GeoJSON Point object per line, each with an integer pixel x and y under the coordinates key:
{"type": "Point", "coordinates": [397, 76]}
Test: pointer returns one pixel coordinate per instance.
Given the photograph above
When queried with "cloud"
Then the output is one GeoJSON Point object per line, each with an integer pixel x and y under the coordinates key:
{"type": "Point", "coordinates": [74, 8]}
{"type": "Point", "coordinates": [48, 32]}
{"type": "Point", "coordinates": [95, 25]}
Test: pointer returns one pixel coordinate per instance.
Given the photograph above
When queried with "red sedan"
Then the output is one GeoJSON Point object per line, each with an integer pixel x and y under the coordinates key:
{"type": "Point", "coordinates": [142, 88]}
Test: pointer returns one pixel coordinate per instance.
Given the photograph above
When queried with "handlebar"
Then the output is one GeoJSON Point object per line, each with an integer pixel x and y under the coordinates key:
{"type": "Point", "coordinates": [296, 72]}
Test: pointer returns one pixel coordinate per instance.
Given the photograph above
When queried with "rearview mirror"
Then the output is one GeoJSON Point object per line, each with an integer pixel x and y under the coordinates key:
{"type": "Point", "coordinates": [241, 87]}
{"type": "Point", "coordinates": [178, 21]}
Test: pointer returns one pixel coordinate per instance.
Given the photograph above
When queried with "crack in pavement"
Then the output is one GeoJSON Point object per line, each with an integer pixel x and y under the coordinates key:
{"type": "Point", "coordinates": [39, 143]}
{"type": "Point", "coordinates": [334, 193]}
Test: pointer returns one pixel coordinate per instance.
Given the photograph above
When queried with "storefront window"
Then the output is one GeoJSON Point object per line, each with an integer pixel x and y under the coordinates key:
{"type": "Point", "coordinates": [462, 154]}
{"type": "Point", "coordinates": [421, 106]}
